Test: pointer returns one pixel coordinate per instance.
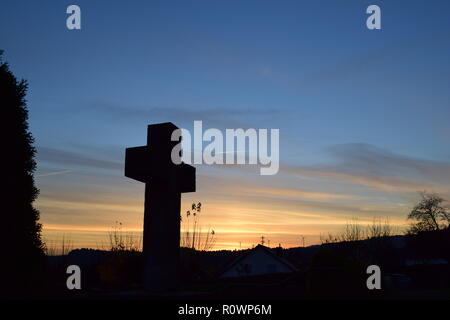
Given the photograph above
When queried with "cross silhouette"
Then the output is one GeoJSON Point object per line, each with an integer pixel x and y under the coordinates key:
{"type": "Point", "coordinates": [164, 182]}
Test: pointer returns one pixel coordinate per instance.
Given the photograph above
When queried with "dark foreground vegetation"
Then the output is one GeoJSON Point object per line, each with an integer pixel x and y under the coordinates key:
{"type": "Point", "coordinates": [413, 267]}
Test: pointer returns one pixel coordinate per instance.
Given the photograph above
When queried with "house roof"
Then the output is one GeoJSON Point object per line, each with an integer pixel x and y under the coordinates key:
{"type": "Point", "coordinates": [267, 250]}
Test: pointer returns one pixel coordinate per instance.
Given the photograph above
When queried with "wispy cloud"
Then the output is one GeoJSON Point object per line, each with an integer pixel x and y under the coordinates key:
{"type": "Point", "coordinates": [367, 165]}
{"type": "Point", "coordinates": [295, 193]}
{"type": "Point", "coordinates": [69, 158]}
{"type": "Point", "coordinates": [214, 116]}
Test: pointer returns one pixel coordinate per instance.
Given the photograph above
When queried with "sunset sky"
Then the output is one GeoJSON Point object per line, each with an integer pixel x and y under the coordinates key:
{"type": "Point", "coordinates": [363, 115]}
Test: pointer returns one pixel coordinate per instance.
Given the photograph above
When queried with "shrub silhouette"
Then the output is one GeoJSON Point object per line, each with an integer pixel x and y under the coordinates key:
{"type": "Point", "coordinates": [194, 238]}
{"type": "Point", "coordinates": [23, 256]}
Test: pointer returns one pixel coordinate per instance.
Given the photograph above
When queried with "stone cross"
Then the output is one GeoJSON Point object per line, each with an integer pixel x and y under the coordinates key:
{"type": "Point", "coordinates": [164, 182]}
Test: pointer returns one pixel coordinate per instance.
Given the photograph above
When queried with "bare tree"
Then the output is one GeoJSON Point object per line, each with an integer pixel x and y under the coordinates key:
{"type": "Point", "coordinates": [352, 232]}
{"type": "Point", "coordinates": [429, 214]}
{"type": "Point", "coordinates": [329, 238]}
{"type": "Point", "coordinates": [119, 242]}
{"type": "Point", "coordinates": [52, 248]}
{"type": "Point", "coordinates": [379, 229]}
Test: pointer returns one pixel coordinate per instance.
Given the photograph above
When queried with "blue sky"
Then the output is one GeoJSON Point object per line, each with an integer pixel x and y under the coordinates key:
{"type": "Point", "coordinates": [361, 113]}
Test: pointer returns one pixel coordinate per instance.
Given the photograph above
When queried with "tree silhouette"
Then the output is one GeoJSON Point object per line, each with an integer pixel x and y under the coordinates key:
{"type": "Point", "coordinates": [21, 232]}
{"type": "Point", "coordinates": [429, 214]}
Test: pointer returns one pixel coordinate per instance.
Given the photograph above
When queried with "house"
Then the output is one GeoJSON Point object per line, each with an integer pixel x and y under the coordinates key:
{"type": "Point", "coordinates": [258, 261]}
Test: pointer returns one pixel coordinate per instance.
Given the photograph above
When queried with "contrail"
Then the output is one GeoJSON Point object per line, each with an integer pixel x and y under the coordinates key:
{"type": "Point", "coordinates": [53, 173]}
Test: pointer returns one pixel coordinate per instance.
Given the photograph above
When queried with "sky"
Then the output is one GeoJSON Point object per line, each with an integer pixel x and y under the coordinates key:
{"type": "Point", "coordinates": [363, 114]}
